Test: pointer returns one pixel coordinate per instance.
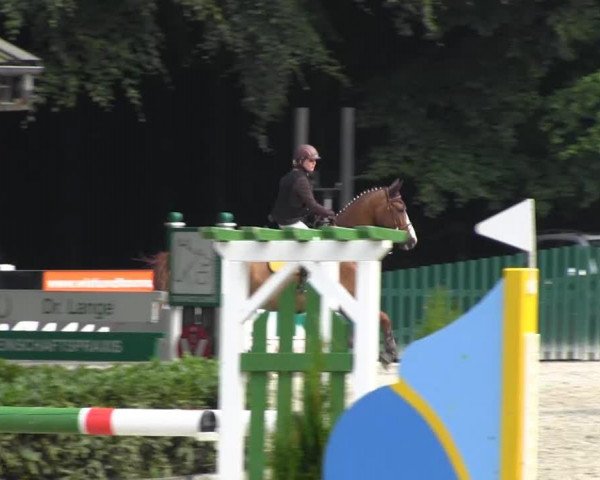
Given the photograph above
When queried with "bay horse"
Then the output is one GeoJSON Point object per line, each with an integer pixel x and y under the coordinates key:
{"type": "Point", "coordinates": [381, 206]}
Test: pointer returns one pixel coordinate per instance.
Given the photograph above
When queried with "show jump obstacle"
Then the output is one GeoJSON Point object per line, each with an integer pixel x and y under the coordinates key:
{"type": "Point", "coordinates": [318, 252]}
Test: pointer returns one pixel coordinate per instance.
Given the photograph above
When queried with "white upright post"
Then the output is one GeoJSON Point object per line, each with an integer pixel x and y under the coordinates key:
{"type": "Point", "coordinates": [235, 288]}
{"type": "Point", "coordinates": [366, 329]}
{"type": "Point", "coordinates": [327, 304]}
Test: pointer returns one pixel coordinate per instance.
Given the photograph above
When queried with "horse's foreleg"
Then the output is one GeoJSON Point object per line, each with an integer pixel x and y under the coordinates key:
{"type": "Point", "coordinates": [389, 341]}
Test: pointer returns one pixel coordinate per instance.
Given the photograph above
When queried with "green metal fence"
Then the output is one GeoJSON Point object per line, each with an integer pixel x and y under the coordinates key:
{"type": "Point", "coordinates": [569, 303]}
{"type": "Point", "coordinates": [569, 297]}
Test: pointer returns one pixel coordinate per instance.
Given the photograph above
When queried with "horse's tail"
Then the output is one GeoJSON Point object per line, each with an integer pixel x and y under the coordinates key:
{"type": "Point", "coordinates": [159, 263]}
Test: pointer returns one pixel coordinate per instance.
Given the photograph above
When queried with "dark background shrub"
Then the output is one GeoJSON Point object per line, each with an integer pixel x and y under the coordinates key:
{"type": "Point", "coordinates": [191, 383]}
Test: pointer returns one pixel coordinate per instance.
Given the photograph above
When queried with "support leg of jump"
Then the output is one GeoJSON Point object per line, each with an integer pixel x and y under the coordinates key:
{"type": "Point", "coordinates": [235, 290]}
{"type": "Point", "coordinates": [366, 333]}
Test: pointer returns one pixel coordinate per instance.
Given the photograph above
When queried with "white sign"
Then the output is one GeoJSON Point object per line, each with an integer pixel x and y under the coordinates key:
{"type": "Point", "coordinates": [514, 226]}
{"type": "Point", "coordinates": [37, 305]}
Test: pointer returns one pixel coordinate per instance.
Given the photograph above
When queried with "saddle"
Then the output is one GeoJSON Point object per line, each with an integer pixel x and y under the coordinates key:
{"type": "Point", "coordinates": [275, 266]}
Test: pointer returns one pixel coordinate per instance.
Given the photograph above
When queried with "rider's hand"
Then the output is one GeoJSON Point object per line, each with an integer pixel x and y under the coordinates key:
{"type": "Point", "coordinates": [328, 219]}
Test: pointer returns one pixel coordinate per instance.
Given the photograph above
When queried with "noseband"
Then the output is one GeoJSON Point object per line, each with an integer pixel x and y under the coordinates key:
{"type": "Point", "coordinates": [393, 214]}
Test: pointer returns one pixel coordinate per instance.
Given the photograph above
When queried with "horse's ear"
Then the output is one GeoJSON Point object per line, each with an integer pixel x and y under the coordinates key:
{"type": "Point", "coordinates": [394, 188]}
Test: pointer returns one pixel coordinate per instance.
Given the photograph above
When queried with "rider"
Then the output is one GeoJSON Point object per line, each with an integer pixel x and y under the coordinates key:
{"type": "Point", "coordinates": [295, 200]}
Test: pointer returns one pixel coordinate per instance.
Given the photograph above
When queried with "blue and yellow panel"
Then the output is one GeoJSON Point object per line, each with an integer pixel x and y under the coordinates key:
{"type": "Point", "coordinates": [442, 419]}
{"type": "Point", "coordinates": [383, 436]}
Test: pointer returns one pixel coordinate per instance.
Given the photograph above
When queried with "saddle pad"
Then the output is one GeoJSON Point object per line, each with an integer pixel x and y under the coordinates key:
{"type": "Point", "coordinates": [276, 266]}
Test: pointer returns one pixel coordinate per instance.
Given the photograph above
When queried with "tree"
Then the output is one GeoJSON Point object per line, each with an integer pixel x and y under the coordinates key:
{"type": "Point", "coordinates": [472, 102]}
{"type": "Point", "coordinates": [105, 49]}
{"type": "Point", "coordinates": [89, 48]}
{"type": "Point", "coordinates": [497, 101]}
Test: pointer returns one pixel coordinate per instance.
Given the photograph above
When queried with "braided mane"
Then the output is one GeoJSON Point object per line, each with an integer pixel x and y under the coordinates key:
{"type": "Point", "coordinates": [359, 196]}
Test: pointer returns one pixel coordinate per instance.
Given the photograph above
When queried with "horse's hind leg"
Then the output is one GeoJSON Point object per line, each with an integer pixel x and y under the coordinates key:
{"type": "Point", "coordinates": [389, 342]}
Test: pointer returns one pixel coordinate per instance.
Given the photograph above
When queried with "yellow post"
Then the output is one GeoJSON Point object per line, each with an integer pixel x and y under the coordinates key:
{"type": "Point", "coordinates": [520, 354]}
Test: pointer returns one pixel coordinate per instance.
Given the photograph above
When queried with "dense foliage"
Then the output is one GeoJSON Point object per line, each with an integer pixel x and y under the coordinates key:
{"type": "Point", "coordinates": [104, 49]}
{"type": "Point", "coordinates": [496, 101]}
{"type": "Point", "coordinates": [190, 384]}
{"type": "Point", "coordinates": [481, 101]}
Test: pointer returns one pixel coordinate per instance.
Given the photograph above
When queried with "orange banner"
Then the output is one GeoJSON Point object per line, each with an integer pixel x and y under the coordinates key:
{"type": "Point", "coordinates": [98, 281]}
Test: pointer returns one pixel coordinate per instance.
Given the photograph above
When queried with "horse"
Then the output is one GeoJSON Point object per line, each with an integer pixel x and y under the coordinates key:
{"type": "Point", "coordinates": [380, 206]}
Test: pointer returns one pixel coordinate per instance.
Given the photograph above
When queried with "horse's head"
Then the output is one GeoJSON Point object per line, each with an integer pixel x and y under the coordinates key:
{"type": "Point", "coordinates": [392, 213]}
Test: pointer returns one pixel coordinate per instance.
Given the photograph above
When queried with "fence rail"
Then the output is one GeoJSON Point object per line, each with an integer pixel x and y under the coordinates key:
{"type": "Point", "coordinates": [569, 297]}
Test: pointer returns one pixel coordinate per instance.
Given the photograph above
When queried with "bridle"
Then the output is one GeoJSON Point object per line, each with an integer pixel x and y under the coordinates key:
{"type": "Point", "coordinates": [393, 214]}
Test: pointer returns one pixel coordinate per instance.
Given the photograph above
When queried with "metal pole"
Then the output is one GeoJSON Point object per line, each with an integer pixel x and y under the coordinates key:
{"type": "Point", "coordinates": [173, 334]}
{"type": "Point", "coordinates": [532, 257]}
{"type": "Point", "coordinates": [301, 122]}
{"type": "Point", "coordinates": [347, 155]}
{"type": "Point", "coordinates": [328, 200]}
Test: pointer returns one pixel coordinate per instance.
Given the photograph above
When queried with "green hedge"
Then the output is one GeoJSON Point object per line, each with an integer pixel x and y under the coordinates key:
{"type": "Point", "coordinates": [440, 310]}
{"type": "Point", "coordinates": [190, 384]}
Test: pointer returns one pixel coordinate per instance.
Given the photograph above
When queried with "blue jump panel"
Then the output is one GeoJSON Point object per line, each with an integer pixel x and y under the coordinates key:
{"type": "Point", "coordinates": [445, 422]}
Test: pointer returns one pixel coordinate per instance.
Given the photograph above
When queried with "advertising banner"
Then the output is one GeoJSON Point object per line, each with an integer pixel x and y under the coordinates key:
{"type": "Point", "coordinates": [44, 306]}
{"type": "Point", "coordinates": [76, 346]}
{"type": "Point", "coordinates": [98, 281]}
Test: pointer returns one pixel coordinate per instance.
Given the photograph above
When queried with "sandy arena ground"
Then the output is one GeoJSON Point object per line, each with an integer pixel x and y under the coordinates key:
{"type": "Point", "coordinates": [569, 436]}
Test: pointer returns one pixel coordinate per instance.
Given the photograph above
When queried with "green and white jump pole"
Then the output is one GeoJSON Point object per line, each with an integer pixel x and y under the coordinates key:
{"type": "Point", "coordinates": [107, 421]}
{"type": "Point", "coordinates": [202, 425]}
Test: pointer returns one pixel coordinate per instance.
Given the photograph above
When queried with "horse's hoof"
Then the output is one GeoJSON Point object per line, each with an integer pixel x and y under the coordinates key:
{"type": "Point", "coordinates": [391, 348]}
{"type": "Point", "coordinates": [385, 359]}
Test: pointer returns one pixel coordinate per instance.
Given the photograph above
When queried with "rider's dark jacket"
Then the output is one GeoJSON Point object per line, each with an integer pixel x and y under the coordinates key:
{"type": "Point", "coordinates": [295, 200]}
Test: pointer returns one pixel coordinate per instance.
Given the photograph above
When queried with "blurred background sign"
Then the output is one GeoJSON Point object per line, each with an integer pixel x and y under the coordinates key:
{"type": "Point", "coordinates": [194, 269]}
